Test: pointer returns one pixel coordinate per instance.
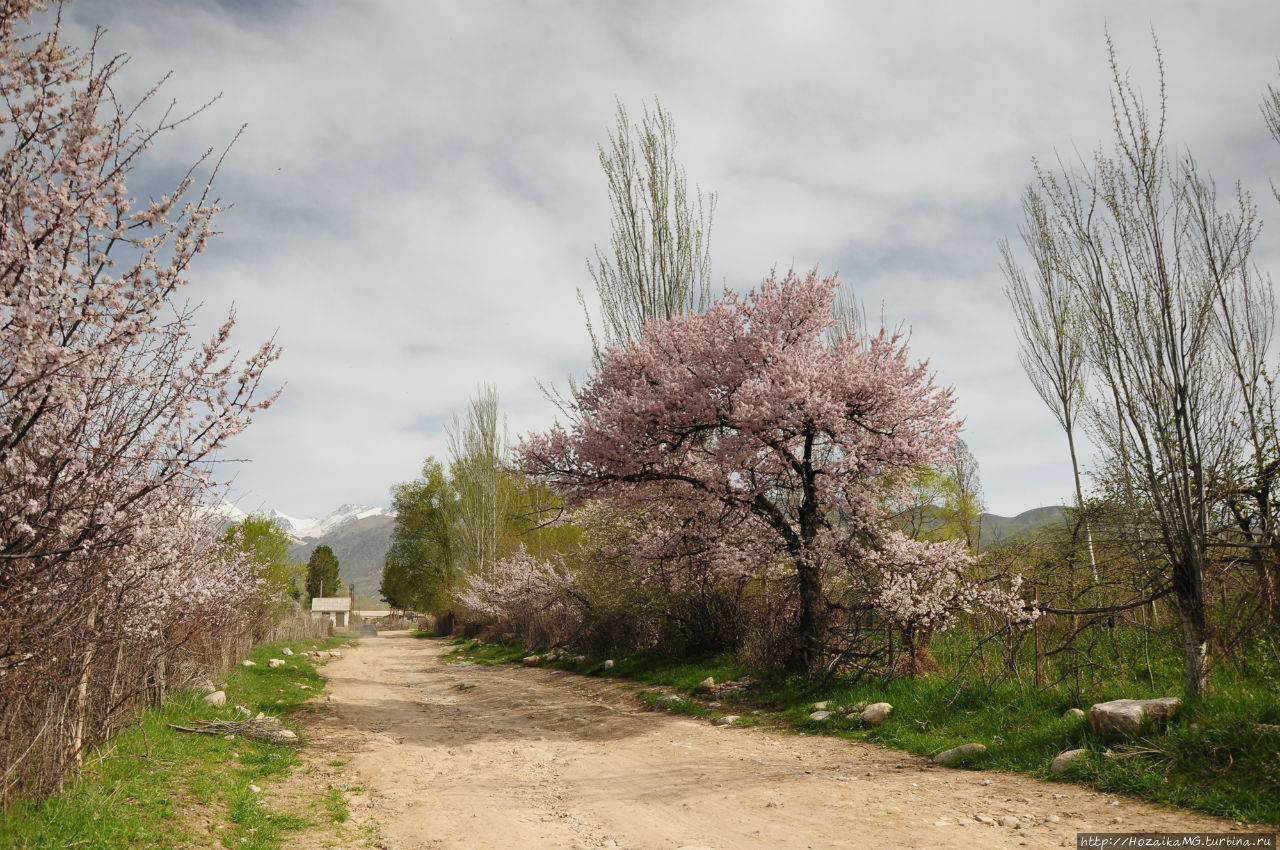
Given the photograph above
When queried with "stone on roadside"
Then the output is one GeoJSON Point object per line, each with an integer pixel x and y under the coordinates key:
{"type": "Point", "coordinates": [216, 699]}
{"type": "Point", "coordinates": [1066, 759]}
{"type": "Point", "coordinates": [1073, 714]}
{"type": "Point", "coordinates": [707, 684]}
{"type": "Point", "coordinates": [465, 686]}
{"type": "Point", "coordinates": [820, 716]}
{"type": "Point", "coordinates": [531, 660]}
{"type": "Point", "coordinates": [821, 706]}
{"type": "Point", "coordinates": [608, 664]}
{"type": "Point", "coordinates": [1124, 717]}
{"type": "Point", "coordinates": [1010, 821]}
{"type": "Point", "coordinates": [333, 653]}
{"type": "Point", "coordinates": [668, 700]}
{"type": "Point", "coordinates": [286, 735]}
{"type": "Point", "coordinates": [876, 713]}
{"type": "Point", "coordinates": [579, 659]}
{"type": "Point", "coordinates": [727, 720]}
{"type": "Point", "coordinates": [958, 753]}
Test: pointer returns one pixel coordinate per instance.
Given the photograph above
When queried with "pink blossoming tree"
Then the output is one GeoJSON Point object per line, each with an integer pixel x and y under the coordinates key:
{"type": "Point", "coordinates": [749, 408]}
{"type": "Point", "coordinates": [110, 410]}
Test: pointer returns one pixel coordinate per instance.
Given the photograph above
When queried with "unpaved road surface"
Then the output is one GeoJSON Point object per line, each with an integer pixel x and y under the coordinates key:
{"type": "Point", "coordinates": [531, 758]}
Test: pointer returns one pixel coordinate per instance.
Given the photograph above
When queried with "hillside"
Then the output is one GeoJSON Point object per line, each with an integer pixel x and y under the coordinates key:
{"type": "Point", "coordinates": [996, 528]}
{"type": "Point", "coordinates": [360, 545]}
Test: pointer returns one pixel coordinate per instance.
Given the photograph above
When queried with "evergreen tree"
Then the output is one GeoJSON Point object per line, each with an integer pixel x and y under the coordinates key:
{"type": "Point", "coordinates": [322, 573]}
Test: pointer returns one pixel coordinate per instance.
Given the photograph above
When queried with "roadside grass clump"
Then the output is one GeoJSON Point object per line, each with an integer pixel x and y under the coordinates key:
{"type": "Point", "coordinates": [1220, 755]}
{"type": "Point", "coordinates": [336, 804]}
{"type": "Point", "coordinates": [153, 786]}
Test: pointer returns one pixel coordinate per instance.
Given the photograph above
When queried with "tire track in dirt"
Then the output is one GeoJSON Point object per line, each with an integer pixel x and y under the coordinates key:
{"type": "Point", "coordinates": [533, 758]}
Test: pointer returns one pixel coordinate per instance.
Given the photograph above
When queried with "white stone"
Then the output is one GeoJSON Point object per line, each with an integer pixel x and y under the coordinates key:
{"type": "Point", "coordinates": [1072, 714]}
{"type": "Point", "coordinates": [217, 698]}
{"type": "Point", "coordinates": [820, 716]}
{"type": "Point", "coordinates": [727, 720]}
{"type": "Point", "coordinates": [531, 661]}
{"type": "Point", "coordinates": [608, 665]}
{"type": "Point", "coordinates": [275, 662]}
{"type": "Point", "coordinates": [1124, 717]}
{"type": "Point", "coordinates": [876, 713]}
{"type": "Point", "coordinates": [1066, 759]}
{"type": "Point", "coordinates": [247, 663]}
{"type": "Point", "coordinates": [1010, 821]}
{"type": "Point", "coordinates": [820, 706]}
{"type": "Point", "coordinates": [669, 699]}
{"type": "Point", "coordinates": [286, 651]}
{"type": "Point", "coordinates": [955, 753]}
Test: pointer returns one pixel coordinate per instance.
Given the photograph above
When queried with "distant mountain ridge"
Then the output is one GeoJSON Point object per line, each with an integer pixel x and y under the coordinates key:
{"type": "Point", "coordinates": [996, 528]}
{"type": "Point", "coordinates": [311, 528]}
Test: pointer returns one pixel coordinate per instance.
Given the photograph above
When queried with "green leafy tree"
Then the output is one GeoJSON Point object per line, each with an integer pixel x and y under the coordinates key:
{"type": "Point", "coordinates": [279, 576]}
{"type": "Point", "coordinates": [322, 573]}
{"type": "Point", "coordinates": [421, 567]}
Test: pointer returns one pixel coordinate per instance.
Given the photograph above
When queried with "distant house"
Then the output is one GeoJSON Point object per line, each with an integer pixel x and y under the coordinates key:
{"type": "Point", "coordinates": [337, 607]}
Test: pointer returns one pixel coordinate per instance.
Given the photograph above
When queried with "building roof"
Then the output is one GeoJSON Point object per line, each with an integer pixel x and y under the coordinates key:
{"type": "Point", "coordinates": [331, 603]}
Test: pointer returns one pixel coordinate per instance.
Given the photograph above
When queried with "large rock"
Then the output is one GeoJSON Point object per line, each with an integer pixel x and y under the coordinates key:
{"type": "Point", "coordinates": [876, 713]}
{"type": "Point", "coordinates": [1124, 717]}
{"type": "Point", "coordinates": [958, 753]}
{"type": "Point", "coordinates": [668, 700]}
{"type": "Point", "coordinates": [1065, 760]}
{"type": "Point", "coordinates": [216, 699]}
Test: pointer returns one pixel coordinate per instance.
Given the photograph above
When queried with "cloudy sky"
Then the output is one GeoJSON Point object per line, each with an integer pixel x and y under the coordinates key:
{"type": "Point", "coordinates": [418, 187]}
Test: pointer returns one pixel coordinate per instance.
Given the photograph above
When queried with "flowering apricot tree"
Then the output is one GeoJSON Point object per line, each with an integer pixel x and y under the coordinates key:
{"type": "Point", "coordinates": [749, 408]}
{"type": "Point", "coordinates": [110, 410]}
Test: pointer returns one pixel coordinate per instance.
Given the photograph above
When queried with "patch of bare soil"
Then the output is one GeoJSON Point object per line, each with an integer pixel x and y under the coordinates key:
{"type": "Point", "coordinates": [468, 756]}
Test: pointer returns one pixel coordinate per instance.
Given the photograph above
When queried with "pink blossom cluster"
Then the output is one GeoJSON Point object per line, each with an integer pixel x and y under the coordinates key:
{"type": "Point", "coordinates": [515, 587]}
{"type": "Point", "coordinates": [923, 585]}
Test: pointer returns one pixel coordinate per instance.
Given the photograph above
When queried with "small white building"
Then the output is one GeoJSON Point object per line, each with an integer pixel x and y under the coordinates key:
{"type": "Point", "coordinates": [337, 607]}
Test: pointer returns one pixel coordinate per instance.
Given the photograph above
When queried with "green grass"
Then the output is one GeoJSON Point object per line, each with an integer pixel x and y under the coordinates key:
{"type": "Point", "coordinates": [336, 803]}
{"type": "Point", "coordinates": [1214, 757]}
{"type": "Point", "coordinates": [152, 786]}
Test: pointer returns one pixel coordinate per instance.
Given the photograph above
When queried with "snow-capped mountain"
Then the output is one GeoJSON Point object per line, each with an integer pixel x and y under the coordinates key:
{"type": "Point", "coordinates": [310, 528]}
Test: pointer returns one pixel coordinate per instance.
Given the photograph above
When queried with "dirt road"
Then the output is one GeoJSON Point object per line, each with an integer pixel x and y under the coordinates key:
{"type": "Point", "coordinates": [465, 756]}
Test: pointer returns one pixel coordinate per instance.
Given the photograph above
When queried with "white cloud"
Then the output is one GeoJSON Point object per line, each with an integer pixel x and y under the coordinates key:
{"type": "Point", "coordinates": [417, 188]}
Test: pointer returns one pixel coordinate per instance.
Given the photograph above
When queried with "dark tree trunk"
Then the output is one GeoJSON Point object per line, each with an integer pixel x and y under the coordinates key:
{"type": "Point", "coordinates": [1188, 585]}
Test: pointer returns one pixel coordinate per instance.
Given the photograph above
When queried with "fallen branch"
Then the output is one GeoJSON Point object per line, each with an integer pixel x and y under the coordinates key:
{"type": "Point", "coordinates": [266, 729]}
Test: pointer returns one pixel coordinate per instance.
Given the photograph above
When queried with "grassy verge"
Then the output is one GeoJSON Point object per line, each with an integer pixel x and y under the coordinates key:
{"type": "Point", "coordinates": [1220, 755]}
{"type": "Point", "coordinates": [153, 786]}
